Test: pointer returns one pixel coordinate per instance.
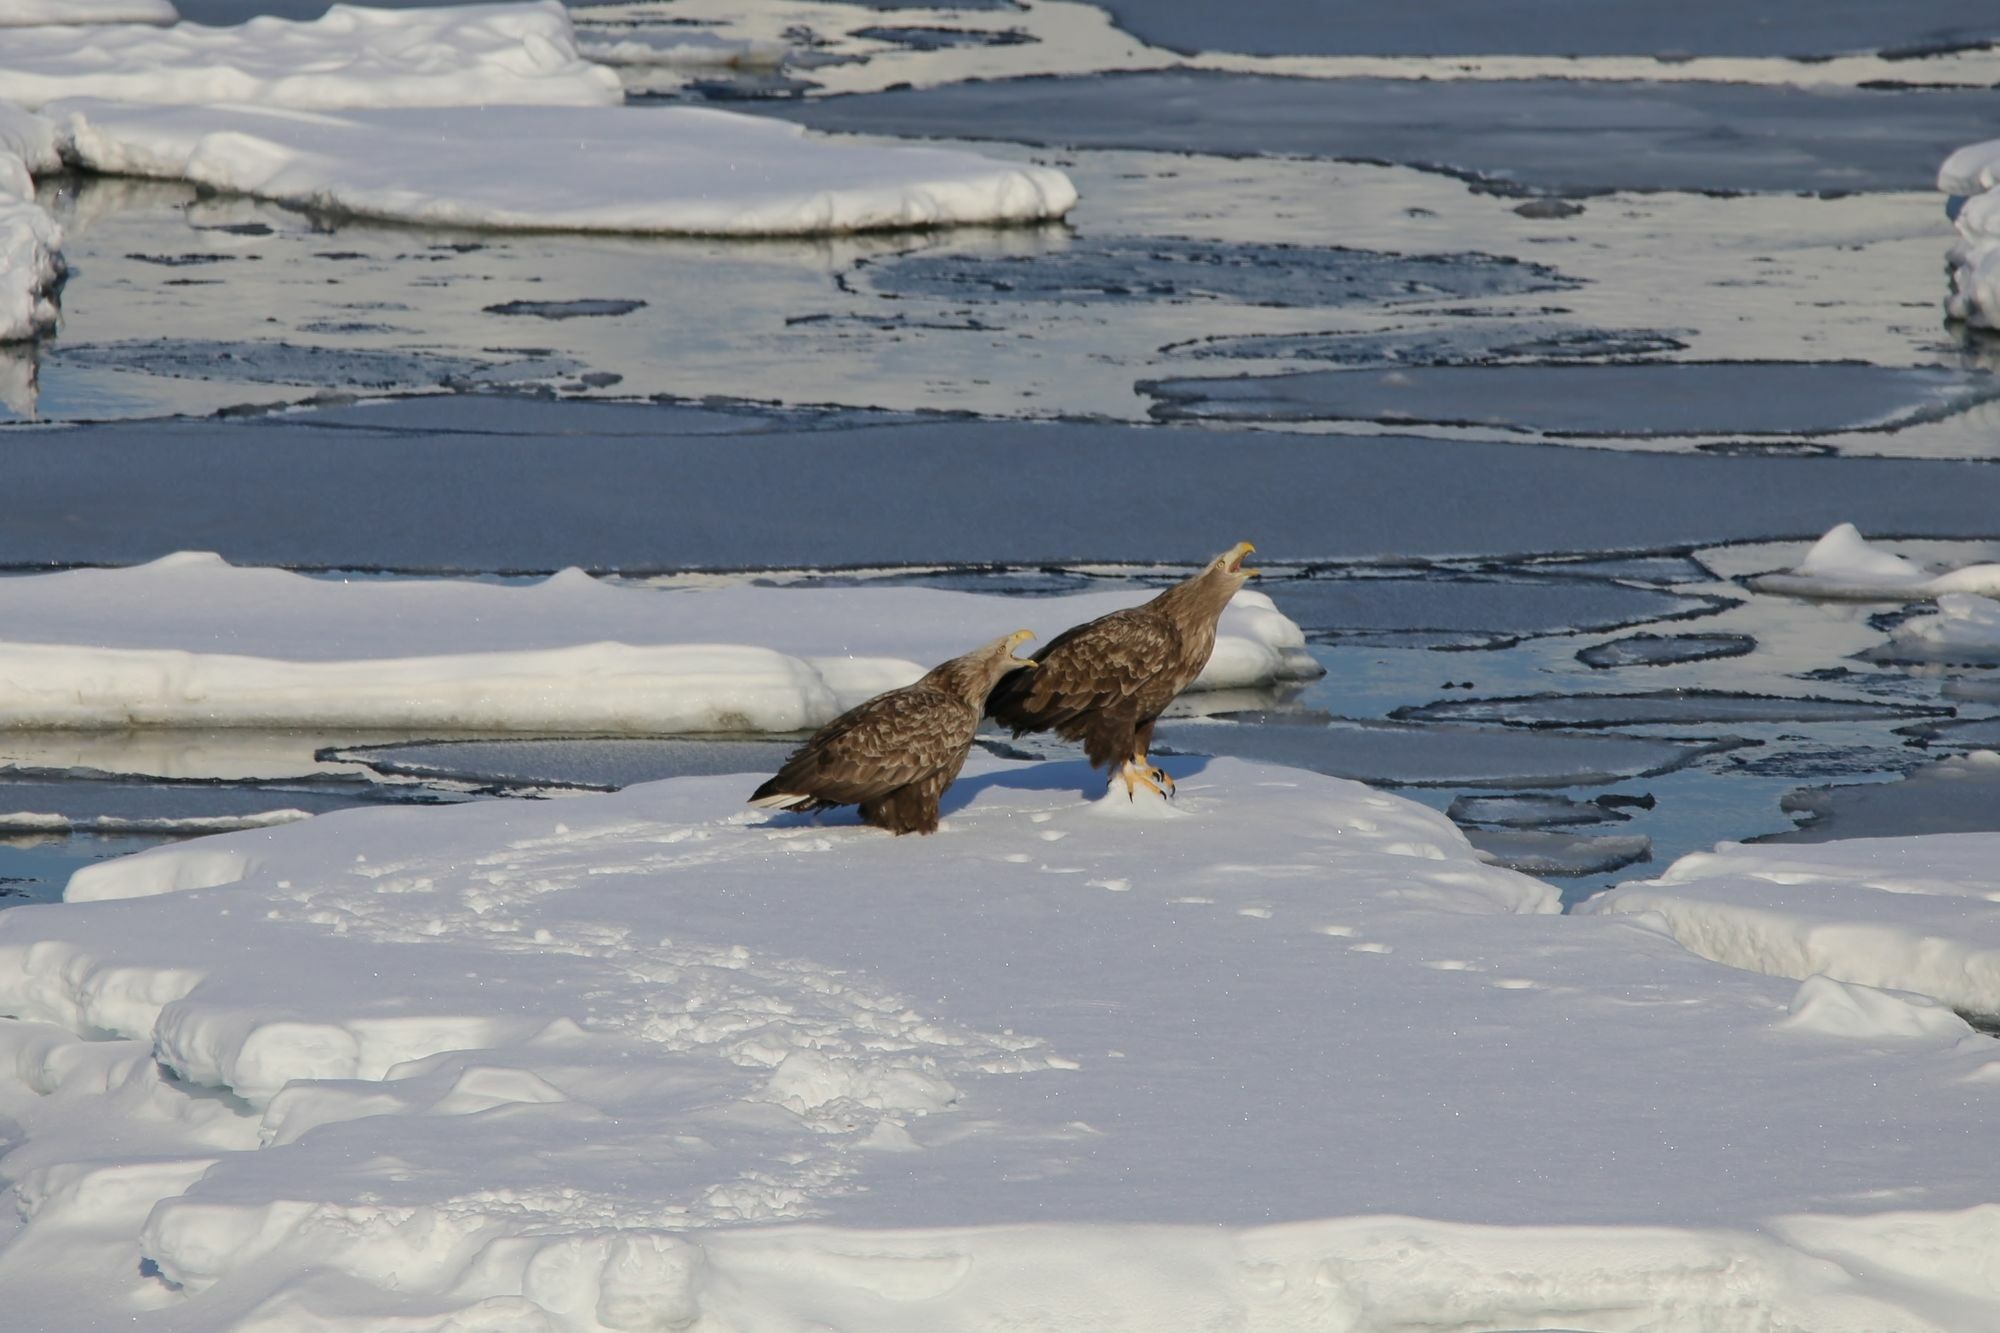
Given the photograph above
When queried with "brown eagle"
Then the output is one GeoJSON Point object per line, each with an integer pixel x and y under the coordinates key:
{"type": "Point", "coordinates": [894, 755]}
{"type": "Point", "coordinates": [1106, 682]}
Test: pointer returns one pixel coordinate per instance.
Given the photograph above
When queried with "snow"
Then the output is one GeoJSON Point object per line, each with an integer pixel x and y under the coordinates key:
{"type": "Point", "coordinates": [351, 57]}
{"type": "Point", "coordinates": [1972, 174]}
{"type": "Point", "coordinates": [1913, 914]}
{"type": "Point", "coordinates": [189, 640]}
{"type": "Point", "coordinates": [681, 170]}
{"type": "Point", "coordinates": [35, 13]}
{"type": "Point", "coordinates": [14, 822]}
{"type": "Point", "coordinates": [1282, 1056]}
{"type": "Point", "coordinates": [1844, 564]}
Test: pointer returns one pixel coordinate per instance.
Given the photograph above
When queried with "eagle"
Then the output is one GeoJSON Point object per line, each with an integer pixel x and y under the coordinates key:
{"type": "Point", "coordinates": [1106, 682]}
{"type": "Point", "coordinates": [894, 755]}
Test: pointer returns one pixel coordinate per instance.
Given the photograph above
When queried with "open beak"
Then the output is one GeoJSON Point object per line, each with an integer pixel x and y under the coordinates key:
{"type": "Point", "coordinates": [1236, 554]}
{"type": "Point", "coordinates": [1014, 640]}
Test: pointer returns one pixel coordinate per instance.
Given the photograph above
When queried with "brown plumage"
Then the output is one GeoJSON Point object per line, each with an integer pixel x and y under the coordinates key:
{"type": "Point", "coordinates": [894, 755]}
{"type": "Point", "coordinates": [1106, 682]}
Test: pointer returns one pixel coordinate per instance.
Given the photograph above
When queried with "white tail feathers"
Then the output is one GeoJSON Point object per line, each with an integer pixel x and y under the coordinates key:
{"type": "Point", "coordinates": [780, 800]}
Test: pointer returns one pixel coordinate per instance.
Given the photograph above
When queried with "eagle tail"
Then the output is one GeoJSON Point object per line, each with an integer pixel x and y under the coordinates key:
{"type": "Point", "coordinates": [771, 796]}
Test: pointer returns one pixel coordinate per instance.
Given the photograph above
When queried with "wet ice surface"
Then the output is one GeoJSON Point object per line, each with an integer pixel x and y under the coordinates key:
{"type": "Point", "coordinates": [1513, 135]}
{"type": "Point", "coordinates": [1055, 267]}
{"type": "Point", "coordinates": [1664, 649]}
{"type": "Point", "coordinates": [602, 763]}
{"type": "Point", "coordinates": [1684, 707]}
{"type": "Point", "coordinates": [1446, 608]}
{"type": "Point", "coordinates": [1667, 398]}
{"type": "Point", "coordinates": [1560, 855]}
{"type": "Point", "coordinates": [1959, 795]}
{"type": "Point", "coordinates": [1561, 27]}
{"type": "Point", "coordinates": [1471, 342]}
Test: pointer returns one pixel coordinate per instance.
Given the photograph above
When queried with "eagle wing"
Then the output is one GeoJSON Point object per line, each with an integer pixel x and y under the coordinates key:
{"type": "Point", "coordinates": [889, 742]}
{"type": "Point", "coordinates": [1111, 667]}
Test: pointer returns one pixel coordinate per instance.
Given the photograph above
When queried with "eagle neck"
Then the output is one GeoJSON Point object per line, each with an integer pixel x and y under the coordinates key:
{"type": "Point", "coordinates": [1198, 602]}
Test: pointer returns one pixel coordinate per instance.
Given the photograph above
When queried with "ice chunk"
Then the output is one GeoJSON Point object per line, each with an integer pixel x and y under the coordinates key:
{"type": "Point", "coordinates": [190, 640]}
{"type": "Point", "coordinates": [680, 170]}
{"type": "Point", "coordinates": [1537, 811]}
{"type": "Point", "coordinates": [679, 48]}
{"type": "Point", "coordinates": [37, 13]}
{"type": "Point", "coordinates": [354, 56]}
{"type": "Point", "coordinates": [1843, 564]}
{"type": "Point", "coordinates": [31, 265]}
{"type": "Point", "coordinates": [1460, 344]}
{"type": "Point", "coordinates": [1971, 170]}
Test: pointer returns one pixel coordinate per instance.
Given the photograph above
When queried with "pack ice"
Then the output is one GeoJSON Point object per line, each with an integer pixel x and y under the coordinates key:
{"type": "Point", "coordinates": [191, 640]}
{"type": "Point", "coordinates": [1972, 176]}
{"type": "Point", "coordinates": [1283, 1056]}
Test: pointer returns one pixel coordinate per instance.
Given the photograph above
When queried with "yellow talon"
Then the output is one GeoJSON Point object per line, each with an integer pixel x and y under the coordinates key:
{"type": "Point", "coordinates": [1138, 774]}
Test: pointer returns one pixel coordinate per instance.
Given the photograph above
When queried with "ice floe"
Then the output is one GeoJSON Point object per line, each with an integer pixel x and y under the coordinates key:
{"type": "Point", "coordinates": [519, 1065]}
{"type": "Point", "coordinates": [39, 13]}
{"type": "Point", "coordinates": [1960, 794]}
{"type": "Point", "coordinates": [191, 640]}
{"type": "Point", "coordinates": [680, 48]}
{"type": "Point", "coordinates": [1664, 649]}
{"type": "Point", "coordinates": [1661, 707]}
{"type": "Point", "coordinates": [683, 170]}
{"type": "Point", "coordinates": [354, 56]}
{"type": "Point", "coordinates": [1905, 913]}
{"type": "Point", "coordinates": [1844, 564]}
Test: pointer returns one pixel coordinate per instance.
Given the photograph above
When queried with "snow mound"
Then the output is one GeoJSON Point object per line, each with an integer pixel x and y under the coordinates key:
{"type": "Point", "coordinates": [1971, 175]}
{"type": "Point", "coordinates": [677, 170]}
{"type": "Point", "coordinates": [1915, 914]}
{"type": "Point", "coordinates": [1866, 1012]}
{"type": "Point", "coordinates": [190, 640]}
{"type": "Point", "coordinates": [1844, 564]}
{"type": "Point", "coordinates": [38, 13]}
{"type": "Point", "coordinates": [351, 57]}
{"type": "Point", "coordinates": [648, 1060]}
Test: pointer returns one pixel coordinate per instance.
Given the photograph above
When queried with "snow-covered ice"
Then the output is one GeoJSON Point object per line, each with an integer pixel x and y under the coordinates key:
{"type": "Point", "coordinates": [1913, 913]}
{"type": "Point", "coordinates": [39, 13]}
{"type": "Point", "coordinates": [681, 170]}
{"type": "Point", "coordinates": [190, 640]}
{"type": "Point", "coordinates": [1284, 1056]}
{"type": "Point", "coordinates": [681, 48]}
{"type": "Point", "coordinates": [1844, 564]}
{"type": "Point", "coordinates": [352, 57]}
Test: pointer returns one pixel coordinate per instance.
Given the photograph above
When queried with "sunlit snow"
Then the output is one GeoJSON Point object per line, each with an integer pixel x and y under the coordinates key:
{"type": "Point", "coordinates": [37, 13]}
{"type": "Point", "coordinates": [189, 640]}
{"type": "Point", "coordinates": [1845, 565]}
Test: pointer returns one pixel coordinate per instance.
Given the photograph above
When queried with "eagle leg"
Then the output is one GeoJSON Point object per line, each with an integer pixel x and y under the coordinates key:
{"type": "Point", "coordinates": [1137, 773]}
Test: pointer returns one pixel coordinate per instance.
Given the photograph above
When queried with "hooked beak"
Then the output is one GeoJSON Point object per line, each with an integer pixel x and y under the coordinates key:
{"type": "Point", "coordinates": [1235, 564]}
{"type": "Point", "coordinates": [1018, 637]}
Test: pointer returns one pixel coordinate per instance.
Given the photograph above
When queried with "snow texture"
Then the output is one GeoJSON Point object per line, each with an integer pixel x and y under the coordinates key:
{"type": "Point", "coordinates": [1281, 1056]}
{"type": "Point", "coordinates": [1843, 564]}
{"type": "Point", "coordinates": [522, 54]}
{"type": "Point", "coordinates": [679, 170]}
{"type": "Point", "coordinates": [30, 241]}
{"type": "Point", "coordinates": [1915, 914]}
{"type": "Point", "coordinates": [38, 13]}
{"type": "Point", "coordinates": [1972, 175]}
{"type": "Point", "coordinates": [189, 640]}
{"type": "Point", "coordinates": [1966, 628]}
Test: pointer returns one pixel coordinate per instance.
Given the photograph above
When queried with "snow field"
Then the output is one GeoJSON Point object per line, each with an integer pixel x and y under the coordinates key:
{"type": "Point", "coordinates": [1282, 1055]}
{"type": "Point", "coordinates": [677, 170]}
{"type": "Point", "coordinates": [189, 640]}
{"type": "Point", "coordinates": [521, 54]}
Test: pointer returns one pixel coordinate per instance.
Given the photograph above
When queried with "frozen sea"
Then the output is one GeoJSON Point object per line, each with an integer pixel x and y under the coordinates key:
{"type": "Point", "coordinates": [1534, 345]}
